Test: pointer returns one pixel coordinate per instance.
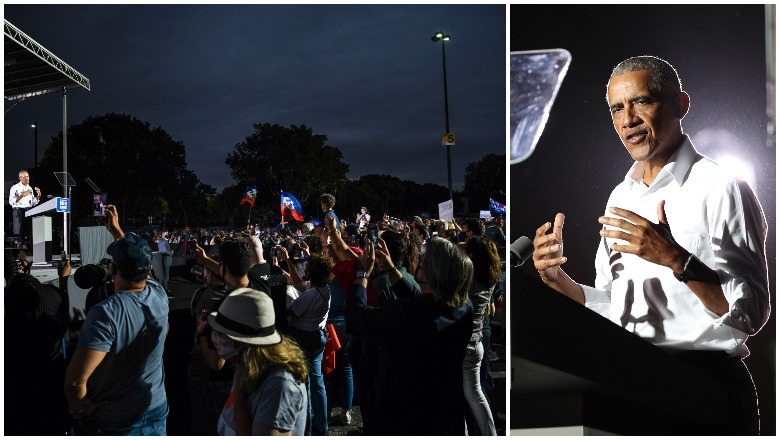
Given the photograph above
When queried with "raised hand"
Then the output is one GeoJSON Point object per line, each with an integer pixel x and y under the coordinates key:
{"type": "Point", "coordinates": [650, 241]}
{"type": "Point", "coordinates": [305, 249]}
{"type": "Point", "coordinates": [112, 222]}
{"type": "Point", "coordinates": [548, 249]}
{"type": "Point", "coordinates": [366, 259]}
{"type": "Point", "coordinates": [383, 260]}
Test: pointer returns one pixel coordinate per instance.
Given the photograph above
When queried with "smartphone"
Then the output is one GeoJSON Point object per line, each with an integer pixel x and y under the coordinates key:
{"type": "Point", "coordinates": [99, 203]}
{"type": "Point", "coordinates": [189, 251]}
{"type": "Point", "coordinates": [63, 260]}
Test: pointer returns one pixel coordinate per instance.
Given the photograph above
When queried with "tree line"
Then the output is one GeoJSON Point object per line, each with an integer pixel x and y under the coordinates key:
{"type": "Point", "coordinates": [144, 171]}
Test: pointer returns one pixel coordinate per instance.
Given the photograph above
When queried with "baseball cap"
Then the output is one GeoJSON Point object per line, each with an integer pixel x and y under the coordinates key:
{"type": "Point", "coordinates": [131, 254]}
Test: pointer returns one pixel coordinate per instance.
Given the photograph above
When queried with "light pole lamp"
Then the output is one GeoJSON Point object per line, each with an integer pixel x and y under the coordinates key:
{"type": "Point", "coordinates": [35, 126]}
{"type": "Point", "coordinates": [440, 36]}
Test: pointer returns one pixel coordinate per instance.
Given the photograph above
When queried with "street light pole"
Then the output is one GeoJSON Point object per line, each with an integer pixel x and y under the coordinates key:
{"type": "Point", "coordinates": [35, 126]}
{"type": "Point", "coordinates": [439, 36]}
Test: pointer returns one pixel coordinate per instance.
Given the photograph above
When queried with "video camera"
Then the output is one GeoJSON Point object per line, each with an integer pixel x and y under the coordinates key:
{"type": "Point", "coordinates": [92, 275]}
{"type": "Point", "coordinates": [96, 278]}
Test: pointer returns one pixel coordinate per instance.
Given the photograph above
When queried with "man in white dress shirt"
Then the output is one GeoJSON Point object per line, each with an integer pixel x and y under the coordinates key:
{"type": "Point", "coordinates": [21, 198]}
{"type": "Point", "coordinates": [681, 260]}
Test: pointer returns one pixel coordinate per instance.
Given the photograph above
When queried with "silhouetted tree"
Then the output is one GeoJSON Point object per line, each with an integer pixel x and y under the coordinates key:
{"type": "Point", "coordinates": [485, 179]}
{"type": "Point", "coordinates": [293, 159]}
{"type": "Point", "coordinates": [140, 167]}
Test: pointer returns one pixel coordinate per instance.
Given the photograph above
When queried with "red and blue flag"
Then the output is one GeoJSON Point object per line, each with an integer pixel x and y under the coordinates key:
{"type": "Point", "coordinates": [290, 206]}
{"type": "Point", "coordinates": [250, 194]}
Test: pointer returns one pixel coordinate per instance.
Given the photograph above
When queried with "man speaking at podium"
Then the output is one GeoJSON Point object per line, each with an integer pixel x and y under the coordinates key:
{"type": "Point", "coordinates": [21, 198]}
{"type": "Point", "coordinates": [681, 260]}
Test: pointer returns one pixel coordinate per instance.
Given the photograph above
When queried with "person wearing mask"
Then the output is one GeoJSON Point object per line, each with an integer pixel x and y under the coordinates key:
{"type": "Point", "coordinates": [269, 395]}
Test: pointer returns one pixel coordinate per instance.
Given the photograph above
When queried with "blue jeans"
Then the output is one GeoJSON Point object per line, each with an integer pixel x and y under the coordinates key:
{"type": "Point", "coordinates": [152, 422]}
{"type": "Point", "coordinates": [343, 366]}
{"type": "Point", "coordinates": [313, 345]}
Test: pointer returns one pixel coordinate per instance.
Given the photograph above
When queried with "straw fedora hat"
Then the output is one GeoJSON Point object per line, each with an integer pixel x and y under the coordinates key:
{"type": "Point", "coordinates": [247, 316]}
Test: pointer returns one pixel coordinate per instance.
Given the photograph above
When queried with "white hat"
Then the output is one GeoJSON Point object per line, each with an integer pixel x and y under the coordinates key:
{"type": "Point", "coordinates": [247, 316]}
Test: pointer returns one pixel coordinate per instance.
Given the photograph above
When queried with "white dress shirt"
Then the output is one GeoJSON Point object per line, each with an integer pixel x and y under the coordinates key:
{"type": "Point", "coordinates": [713, 216]}
{"type": "Point", "coordinates": [27, 201]}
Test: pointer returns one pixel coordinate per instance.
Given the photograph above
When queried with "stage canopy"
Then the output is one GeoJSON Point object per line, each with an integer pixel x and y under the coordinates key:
{"type": "Point", "coordinates": [31, 70]}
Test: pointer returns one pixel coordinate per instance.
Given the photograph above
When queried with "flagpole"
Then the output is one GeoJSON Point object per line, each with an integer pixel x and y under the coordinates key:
{"type": "Point", "coordinates": [280, 208]}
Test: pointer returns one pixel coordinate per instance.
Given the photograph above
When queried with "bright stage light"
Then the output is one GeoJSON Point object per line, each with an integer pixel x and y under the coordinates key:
{"type": "Point", "coordinates": [737, 168]}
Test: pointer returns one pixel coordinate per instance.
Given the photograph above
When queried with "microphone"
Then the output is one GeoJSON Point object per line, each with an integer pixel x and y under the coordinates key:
{"type": "Point", "coordinates": [520, 251]}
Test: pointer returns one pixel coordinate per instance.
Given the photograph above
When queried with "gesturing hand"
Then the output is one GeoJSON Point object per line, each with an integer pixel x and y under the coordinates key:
{"type": "Point", "coordinates": [285, 255]}
{"type": "Point", "coordinates": [366, 259]}
{"type": "Point", "coordinates": [199, 253]}
{"type": "Point", "coordinates": [650, 241]}
{"type": "Point", "coordinates": [112, 222]}
{"type": "Point", "coordinates": [548, 249]}
{"type": "Point", "coordinates": [383, 259]}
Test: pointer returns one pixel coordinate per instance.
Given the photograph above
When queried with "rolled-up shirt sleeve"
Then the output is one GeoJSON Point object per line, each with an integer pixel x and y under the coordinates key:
{"type": "Point", "coordinates": [738, 231]}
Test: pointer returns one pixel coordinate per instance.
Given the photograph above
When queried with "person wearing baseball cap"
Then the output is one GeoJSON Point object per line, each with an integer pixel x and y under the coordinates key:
{"type": "Point", "coordinates": [115, 381]}
{"type": "Point", "coordinates": [269, 388]}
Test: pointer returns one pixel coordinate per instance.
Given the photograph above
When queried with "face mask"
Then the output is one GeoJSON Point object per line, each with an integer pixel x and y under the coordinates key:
{"type": "Point", "coordinates": [226, 347]}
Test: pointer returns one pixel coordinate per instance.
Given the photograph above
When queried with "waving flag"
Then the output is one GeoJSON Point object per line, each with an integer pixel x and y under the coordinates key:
{"type": "Point", "coordinates": [497, 207]}
{"type": "Point", "coordinates": [249, 196]}
{"type": "Point", "coordinates": [290, 206]}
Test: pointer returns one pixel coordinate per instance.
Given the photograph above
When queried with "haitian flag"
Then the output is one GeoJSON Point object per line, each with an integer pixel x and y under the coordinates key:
{"type": "Point", "coordinates": [290, 206]}
{"type": "Point", "coordinates": [497, 207]}
{"type": "Point", "coordinates": [249, 196]}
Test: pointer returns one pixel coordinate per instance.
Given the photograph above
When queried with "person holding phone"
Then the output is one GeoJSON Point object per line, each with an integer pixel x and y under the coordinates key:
{"type": "Point", "coordinates": [115, 383]}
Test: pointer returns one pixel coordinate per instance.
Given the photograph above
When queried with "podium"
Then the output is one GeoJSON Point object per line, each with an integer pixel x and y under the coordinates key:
{"type": "Point", "coordinates": [41, 228]}
{"type": "Point", "coordinates": [576, 372]}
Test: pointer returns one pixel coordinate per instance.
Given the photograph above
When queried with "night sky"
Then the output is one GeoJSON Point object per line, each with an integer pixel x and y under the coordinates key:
{"type": "Point", "coordinates": [719, 53]}
{"type": "Point", "coordinates": [367, 77]}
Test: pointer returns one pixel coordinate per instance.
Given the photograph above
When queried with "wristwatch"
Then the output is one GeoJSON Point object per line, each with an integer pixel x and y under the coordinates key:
{"type": "Point", "coordinates": [362, 274]}
{"type": "Point", "coordinates": [691, 271]}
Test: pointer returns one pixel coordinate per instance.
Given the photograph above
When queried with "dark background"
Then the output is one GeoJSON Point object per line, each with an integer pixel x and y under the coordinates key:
{"type": "Point", "coordinates": [720, 55]}
{"type": "Point", "coordinates": [366, 76]}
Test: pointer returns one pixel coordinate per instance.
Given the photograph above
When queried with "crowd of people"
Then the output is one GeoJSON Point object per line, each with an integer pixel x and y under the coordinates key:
{"type": "Point", "coordinates": [394, 315]}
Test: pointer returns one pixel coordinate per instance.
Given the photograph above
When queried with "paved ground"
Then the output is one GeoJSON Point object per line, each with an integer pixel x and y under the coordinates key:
{"type": "Point", "coordinates": [197, 420]}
